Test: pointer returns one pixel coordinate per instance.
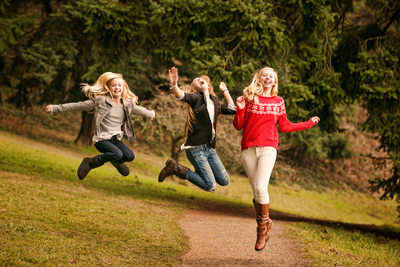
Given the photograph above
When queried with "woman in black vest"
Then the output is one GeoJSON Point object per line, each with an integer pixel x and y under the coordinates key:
{"type": "Point", "coordinates": [203, 110]}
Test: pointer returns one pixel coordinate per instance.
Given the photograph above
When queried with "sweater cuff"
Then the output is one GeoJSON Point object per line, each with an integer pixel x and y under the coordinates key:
{"type": "Point", "coordinates": [182, 94]}
{"type": "Point", "coordinates": [52, 110]}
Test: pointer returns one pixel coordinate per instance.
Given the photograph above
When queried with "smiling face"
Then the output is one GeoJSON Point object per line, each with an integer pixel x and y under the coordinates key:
{"type": "Point", "coordinates": [267, 79]}
{"type": "Point", "coordinates": [116, 87]}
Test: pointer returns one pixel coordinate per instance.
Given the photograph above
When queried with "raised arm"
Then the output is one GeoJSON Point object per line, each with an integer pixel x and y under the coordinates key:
{"type": "Point", "coordinates": [173, 81]}
{"type": "Point", "coordinates": [225, 91]}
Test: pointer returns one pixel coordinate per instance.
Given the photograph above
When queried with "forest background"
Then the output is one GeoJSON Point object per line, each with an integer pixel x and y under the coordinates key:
{"type": "Point", "coordinates": [335, 59]}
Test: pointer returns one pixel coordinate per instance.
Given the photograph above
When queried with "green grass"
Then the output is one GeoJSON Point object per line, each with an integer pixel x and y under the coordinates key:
{"type": "Point", "coordinates": [345, 206]}
{"type": "Point", "coordinates": [46, 222]}
{"type": "Point", "coordinates": [335, 246]}
{"type": "Point", "coordinates": [49, 217]}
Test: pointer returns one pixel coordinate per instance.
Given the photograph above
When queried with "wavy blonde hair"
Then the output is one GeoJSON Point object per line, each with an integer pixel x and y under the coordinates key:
{"type": "Point", "coordinates": [191, 90]}
{"type": "Point", "coordinates": [100, 87]}
{"type": "Point", "coordinates": [255, 88]}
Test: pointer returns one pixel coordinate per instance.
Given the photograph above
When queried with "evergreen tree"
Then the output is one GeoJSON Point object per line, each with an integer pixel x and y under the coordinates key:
{"type": "Point", "coordinates": [368, 58]}
{"type": "Point", "coordinates": [13, 30]}
{"type": "Point", "coordinates": [97, 36]}
{"type": "Point", "coordinates": [327, 53]}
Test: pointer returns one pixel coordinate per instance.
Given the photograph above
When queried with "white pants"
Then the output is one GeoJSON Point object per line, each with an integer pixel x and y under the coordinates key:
{"type": "Point", "coordinates": [258, 163]}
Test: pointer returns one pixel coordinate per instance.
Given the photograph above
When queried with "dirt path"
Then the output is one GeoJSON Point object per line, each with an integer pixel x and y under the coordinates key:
{"type": "Point", "coordinates": [223, 239]}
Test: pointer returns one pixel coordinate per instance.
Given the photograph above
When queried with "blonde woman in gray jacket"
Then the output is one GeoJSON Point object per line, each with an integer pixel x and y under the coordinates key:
{"type": "Point", "coordinates": [113, 104]}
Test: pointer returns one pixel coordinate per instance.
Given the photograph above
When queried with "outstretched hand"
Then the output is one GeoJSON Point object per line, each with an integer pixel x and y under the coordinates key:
{"type": "Point", "coordinates": [173, 76]}
{"type": "Point", "coordinates": [315, 119]}
{"type": "Point", "coordinates": [240, 102]}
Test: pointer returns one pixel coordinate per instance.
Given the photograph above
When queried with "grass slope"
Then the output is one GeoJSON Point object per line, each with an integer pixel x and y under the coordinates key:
{"type": "Point", "coordinates": [336, 246]}
{"type": "Point", "coordinates": [49, 217]}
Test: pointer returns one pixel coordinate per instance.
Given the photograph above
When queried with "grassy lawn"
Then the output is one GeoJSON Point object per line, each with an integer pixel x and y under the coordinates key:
{"type": "Point", "coordinates": [49, 217]}
{"type": "Point", "coordinates": [336, 246]}
{"type": "Point", "coordinates": [46, 222]}
{"type": "Point", "coordinates": [346, 206]}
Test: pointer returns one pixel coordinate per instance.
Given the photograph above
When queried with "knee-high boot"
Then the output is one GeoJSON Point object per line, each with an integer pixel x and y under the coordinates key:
{"type": "Point", "coordinates": [172, 167]}
{"type": "Point", "coordinates": [264, 224]}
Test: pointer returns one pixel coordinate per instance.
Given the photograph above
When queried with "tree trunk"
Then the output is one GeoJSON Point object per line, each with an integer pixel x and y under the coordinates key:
{"type": "Point", "coordinates": [175, 150]}
{"type": "Point", "coordinates": [67, 84]}
{"type": "Point", "coordinates": [87, 129]}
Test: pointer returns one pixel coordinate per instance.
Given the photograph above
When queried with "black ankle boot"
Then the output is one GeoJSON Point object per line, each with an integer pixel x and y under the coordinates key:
{"type": "Point", "coordinates": [86, 165]}
{"type": "Point", "coordinates": [121, 167]}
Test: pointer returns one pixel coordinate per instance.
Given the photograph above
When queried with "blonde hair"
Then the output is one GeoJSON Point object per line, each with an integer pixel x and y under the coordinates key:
{"type": "Point", "coordinates": [100, 87]}
{"type": "Point", "coordinates": [256, 88]}
{"type": "Point", "coordinates": [189, 111]}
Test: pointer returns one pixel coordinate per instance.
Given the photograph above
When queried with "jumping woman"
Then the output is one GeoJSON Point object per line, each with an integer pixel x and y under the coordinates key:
{"type": "Point", "coordinates": [113, 104]}
{"type": "Point", "coordinates": [202, 114]}
{"type": "Point", "coordinates": [259, 111]}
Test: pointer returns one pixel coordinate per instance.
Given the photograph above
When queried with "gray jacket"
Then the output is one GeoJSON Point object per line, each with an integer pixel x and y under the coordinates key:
{"type": "Point", "coordinates": [101, 107]}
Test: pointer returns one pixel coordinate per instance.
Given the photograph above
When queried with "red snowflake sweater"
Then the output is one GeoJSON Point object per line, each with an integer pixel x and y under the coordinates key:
{"type": "Point", "coordinates": [259, 122]}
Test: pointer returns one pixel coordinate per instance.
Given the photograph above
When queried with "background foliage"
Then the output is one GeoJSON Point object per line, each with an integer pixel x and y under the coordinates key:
{"type": "Point", "coordinates": [328, 54]}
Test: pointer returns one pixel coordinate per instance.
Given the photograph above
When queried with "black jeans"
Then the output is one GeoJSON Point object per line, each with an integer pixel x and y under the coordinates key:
{"type": "Point", "coordinates": [114, 150]}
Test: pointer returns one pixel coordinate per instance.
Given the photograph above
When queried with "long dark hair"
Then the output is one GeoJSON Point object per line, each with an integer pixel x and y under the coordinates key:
{"type": "Point", "coordinates": [189, 111]}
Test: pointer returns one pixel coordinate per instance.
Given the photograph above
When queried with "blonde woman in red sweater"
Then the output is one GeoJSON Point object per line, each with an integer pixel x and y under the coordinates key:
{"type": "Point", "coordinates": [259, 111]}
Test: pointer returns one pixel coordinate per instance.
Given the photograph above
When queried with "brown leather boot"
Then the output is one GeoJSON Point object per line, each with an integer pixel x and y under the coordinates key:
{"type": "Point", "coordinates": [86, 165]}
{"type": "Point", "coordinates": [172, 167]}
{"type": "Point", "coordinates": [264, 224]}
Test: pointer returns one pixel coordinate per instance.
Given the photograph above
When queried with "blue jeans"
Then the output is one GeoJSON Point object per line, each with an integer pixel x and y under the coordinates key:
{"type": "Point", "coordinates": [114, 150]}
{"type": "Point", "coordinates": [209, 168]}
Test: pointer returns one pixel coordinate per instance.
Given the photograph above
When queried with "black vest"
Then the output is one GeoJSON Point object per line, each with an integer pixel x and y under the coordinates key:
{"type": "Point", "coordinates": [202, 131]}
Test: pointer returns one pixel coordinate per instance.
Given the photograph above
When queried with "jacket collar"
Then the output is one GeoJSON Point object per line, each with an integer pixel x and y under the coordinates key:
{"type": "Point", "coordinates": [211, 96]}
{"type": "Point", "coordinates": [108, 100]}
